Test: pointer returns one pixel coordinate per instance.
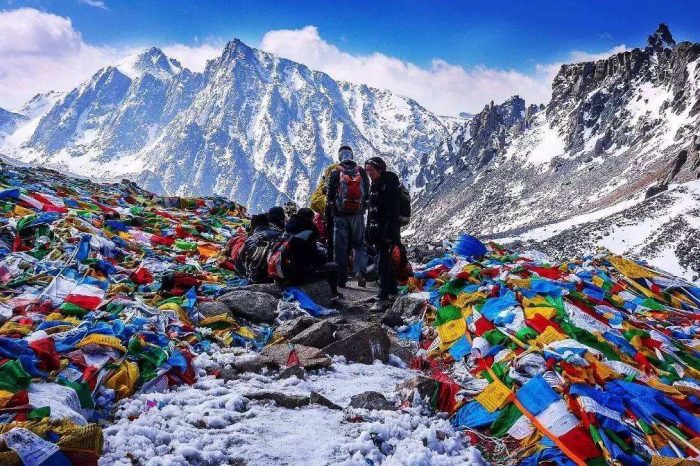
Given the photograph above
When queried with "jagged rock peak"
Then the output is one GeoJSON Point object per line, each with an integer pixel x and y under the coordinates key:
{"type": "Point", "coordinates": [234, 48]}
{"type": "Point", "coordinates": [662, 38]}
{"type": "Point", "coordinates": [152, 61]}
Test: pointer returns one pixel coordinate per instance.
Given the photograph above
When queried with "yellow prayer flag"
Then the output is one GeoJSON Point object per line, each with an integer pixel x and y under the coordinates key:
{"type": "Point", "coordinates": [548, 336]}
{"type": "Point", "coordinates": [493, 396]}
{"type": "Point", "coordinates": [546, 312]}
{"type": "Point", "coordinates": [452, 330]}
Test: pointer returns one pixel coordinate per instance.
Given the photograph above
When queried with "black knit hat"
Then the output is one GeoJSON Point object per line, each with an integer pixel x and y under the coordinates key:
{"type": "Point", "coordinates": [306, 213]}
{"type": "Point", "coordinates": [344, 149]}
{"type": "Point", "coordinates": [377, 162]}
{"type": "Point", "coordinates": [276, 215]}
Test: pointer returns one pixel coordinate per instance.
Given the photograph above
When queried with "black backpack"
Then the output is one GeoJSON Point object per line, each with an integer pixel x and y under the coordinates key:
{"type": "Point", "coordinates": [404, 206]}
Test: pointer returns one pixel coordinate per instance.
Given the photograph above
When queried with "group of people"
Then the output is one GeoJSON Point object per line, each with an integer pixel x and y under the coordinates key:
{"type": "Point", "coordinates": [355, 208]}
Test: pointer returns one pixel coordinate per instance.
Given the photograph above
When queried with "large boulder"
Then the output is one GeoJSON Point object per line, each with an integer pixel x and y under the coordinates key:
{"type": "Point", "coordinates": [391, 318]}
{"type": "Point", "coordinates": [290, 328]}
{"type": "Point", "coordinates": [319, 291]}
{"type": "Point", "coordinates": [371, 400]}
{"type": "Point", "coordinates": [363, 346]}
{"type": "Point", "coordinates": [283, 400]}
{"type": "Point", "coordinates": [213, 308]}
{"type": "Point", "coordinates": [318, 335]}
{"type": "Point", "coordinates": [254, 306]}
{"type": "Point", "coordinates": [267, 288]}
{"type": "Point", "coordinates": [408, 306]}
{"type": "Point", "coordinates": [404, 350]}
{"type": "Point", "coordinates": [310, 358]}
{"type": "Point", "coordinates": [254, 363]}
{"type": "Point", "coordinates": [421, 385]}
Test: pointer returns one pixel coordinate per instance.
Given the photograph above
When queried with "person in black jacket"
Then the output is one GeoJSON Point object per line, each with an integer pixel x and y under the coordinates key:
{"type": "Point", "coordinates": [383, 227]}
{"type": "Point", "coordinates": [348, 212]}
{"type": "Point", "coordinates": [310, 262]}
{"type": "Point", "coordinates": [276, 217]}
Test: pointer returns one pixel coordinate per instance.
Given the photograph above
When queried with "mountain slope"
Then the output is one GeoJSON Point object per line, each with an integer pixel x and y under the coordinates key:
{"type": "Point", "coordinates": [252, 127]}
{"type": "Point", "coordinates": [613, 129]}
{"type": "Point", "coordinates": [663, 230]}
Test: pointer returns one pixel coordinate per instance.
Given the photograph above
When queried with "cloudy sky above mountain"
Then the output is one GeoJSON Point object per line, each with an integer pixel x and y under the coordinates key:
{"type": "Point", "coordinates": [58, 44]}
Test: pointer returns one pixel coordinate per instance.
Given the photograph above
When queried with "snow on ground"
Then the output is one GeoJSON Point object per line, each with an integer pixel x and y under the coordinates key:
{"type": "Point", "coordinates": [552, 229]}
{"type": "Point", "coordinates": [213, 423]}
{"type": "Point", "coordinates": [655, 230]}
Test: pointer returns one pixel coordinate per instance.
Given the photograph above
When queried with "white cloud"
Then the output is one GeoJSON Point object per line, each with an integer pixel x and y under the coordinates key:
{"type": "Point", "coordinates": [442, 87]}
{"type": "Point", "coordinates": [41, 52]}
{"type": "Point", "coordinates": [95, 3]}
{"type": "Point", "coordinates": [194, 57]}
{"type": "Point", "coordinates": [578, 56]}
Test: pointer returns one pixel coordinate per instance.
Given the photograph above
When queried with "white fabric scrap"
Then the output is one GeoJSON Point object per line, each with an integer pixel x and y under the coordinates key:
{"type": "Point", "coordinates": [522, 428]}
{"type": "Point", "coordinates": [557, 419]}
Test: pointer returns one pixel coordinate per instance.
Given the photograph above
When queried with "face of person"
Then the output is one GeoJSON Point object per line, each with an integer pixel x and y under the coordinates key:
{"type": "Point", "coordinates": [372, 172]}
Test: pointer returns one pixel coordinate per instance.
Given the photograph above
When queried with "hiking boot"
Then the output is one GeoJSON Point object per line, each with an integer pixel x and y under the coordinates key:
{"type": "Point", "coordinates": [361, 281]}
{"type": "Point", "coordinates": [381, 305]}
{"type": "Point", "coordinates": [337, 297]}
{"type": "Point", "coordinates": [342, 285]}
{"type": "Point", "coordinates": [377, 307]}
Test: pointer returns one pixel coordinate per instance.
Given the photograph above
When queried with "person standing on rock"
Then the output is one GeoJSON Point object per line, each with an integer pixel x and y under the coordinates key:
{"type": "Point", "coordinates": [348, 194]}
{"type": "Point", "coordinates": [383, 225]}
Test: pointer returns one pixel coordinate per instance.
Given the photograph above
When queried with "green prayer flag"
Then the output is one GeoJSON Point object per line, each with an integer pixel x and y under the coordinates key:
{"type": "Point", "coordinates": [13, 377]}
{"type": "Point", "coordinates": [447, 313]}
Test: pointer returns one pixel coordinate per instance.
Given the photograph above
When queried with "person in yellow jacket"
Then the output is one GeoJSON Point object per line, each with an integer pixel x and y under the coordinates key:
{"type": "Point", "coordinates": [318, 204]}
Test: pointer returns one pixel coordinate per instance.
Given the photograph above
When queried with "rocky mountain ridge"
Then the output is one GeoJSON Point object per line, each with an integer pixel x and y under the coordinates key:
{"type": "Point", "coordinates": [613, 129]}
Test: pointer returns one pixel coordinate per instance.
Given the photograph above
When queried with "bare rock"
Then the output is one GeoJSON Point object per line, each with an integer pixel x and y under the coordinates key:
{"type": "Point", "coordinates": [251, 305]}
{"type": "Point", "coordinates": [318, 335]}
{"type": "Point", "coordinates": [421, 385]}
{"type": "Point", "coordinates": [319, 291]}
{"type": "Point", "coordinates": [281, 399]}
{"type": "Point", "coordinates": [371, 400]}
{"type": "Point", "coordinates": [290, 328]}
{"type": "Point", "coordinates": [363, 346]}
{"type": "Point", "coordinates": [318, 399]}
{"type": "Point", "coordinates": [267, 288]}
{"type": "Point", "coordinates": [404, 350]}
{"type": "Point", "coordinates": [213, 308]}
{"type": "Point", "coordinates": [408, 306]}
{"type": "Point", "coordinates": [254, 363]}
{"type": "Point", "coordinates": [391, 318]}
{"type": "Point", "coordinates": [293, 371]}
{"type": "Point", "coordinates": [310, 358]}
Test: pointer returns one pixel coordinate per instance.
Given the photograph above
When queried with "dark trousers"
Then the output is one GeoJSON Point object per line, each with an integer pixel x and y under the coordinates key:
{"type": "Point", "coordinates": [387, 278]}
{"type": "Point", "coordinates": [329, 272]}
{"type": "Point", "coordinates": [328, 220]}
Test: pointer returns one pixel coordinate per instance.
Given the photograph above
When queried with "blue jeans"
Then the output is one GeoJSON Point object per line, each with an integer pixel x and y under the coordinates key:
{"type": "Point", "coordinates": [349, 232]}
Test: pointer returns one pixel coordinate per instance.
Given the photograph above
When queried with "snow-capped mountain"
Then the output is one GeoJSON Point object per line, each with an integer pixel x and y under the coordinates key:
{"type": "Point", "coordinates": [613, 129]}
{"type": "Point", "coordinates": [9, 121]}
{"type": "Point", "coordinates": [252, 126]}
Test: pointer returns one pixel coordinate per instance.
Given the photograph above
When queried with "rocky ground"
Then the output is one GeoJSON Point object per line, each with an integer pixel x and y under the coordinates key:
{"type": "Point", "coordinates": [351, 399]}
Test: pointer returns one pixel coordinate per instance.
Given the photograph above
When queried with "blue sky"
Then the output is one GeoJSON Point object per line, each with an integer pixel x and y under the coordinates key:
{"type": "Point", "coordinates": [505, 36]}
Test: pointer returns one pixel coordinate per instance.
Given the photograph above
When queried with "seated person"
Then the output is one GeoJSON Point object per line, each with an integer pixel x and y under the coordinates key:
{"type": "Point", "coordinates": [309, 262]}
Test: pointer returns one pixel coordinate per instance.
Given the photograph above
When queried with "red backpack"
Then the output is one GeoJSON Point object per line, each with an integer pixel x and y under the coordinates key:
{"type": "Point", "coordinates": [235, 245]}
{"type": "Point", "coordinates": [279, 262]}
{"type": "Point", "coordinates": [351, 191]}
